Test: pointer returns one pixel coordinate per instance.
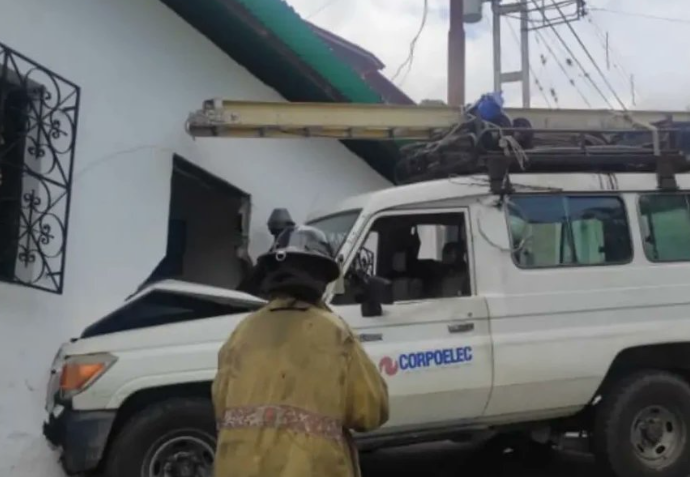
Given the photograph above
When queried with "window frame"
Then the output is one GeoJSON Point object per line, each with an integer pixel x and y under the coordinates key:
{"type": "Point", "coordinates": [619, 196]}
{"type": "Point", "coordinates": [464, 211]}
{"type": "Point", "coordinates": [358, 217]}
{"type": "Point", "coordinates": [640, 216]}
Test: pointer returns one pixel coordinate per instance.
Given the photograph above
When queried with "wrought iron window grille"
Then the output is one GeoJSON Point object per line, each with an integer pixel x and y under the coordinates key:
{"type": "Point", "coordinates": [38, 128]}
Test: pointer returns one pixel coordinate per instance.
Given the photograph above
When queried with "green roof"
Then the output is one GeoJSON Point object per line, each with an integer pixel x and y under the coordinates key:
{"type": "Point", "coordinates": [285, 23]}
{"type": "Point", "coordinates": [270, 39]}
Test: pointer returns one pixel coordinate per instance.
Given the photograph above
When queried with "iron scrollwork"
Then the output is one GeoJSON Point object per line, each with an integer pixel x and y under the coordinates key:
{"type": "Point", "coordinates": [38, 128]}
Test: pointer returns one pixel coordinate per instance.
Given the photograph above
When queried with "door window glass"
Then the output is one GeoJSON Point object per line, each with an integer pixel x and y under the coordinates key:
{"type": "Point", "coordinates": [424, 256]}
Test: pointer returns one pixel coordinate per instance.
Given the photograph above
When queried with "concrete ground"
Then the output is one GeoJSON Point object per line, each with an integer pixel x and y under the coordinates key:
{"type": "Point", "coordinates": [453, 460]}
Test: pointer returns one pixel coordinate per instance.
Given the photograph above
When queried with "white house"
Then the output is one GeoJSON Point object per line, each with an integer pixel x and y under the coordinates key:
{"type": "Point", "coordinates": [100, 181]}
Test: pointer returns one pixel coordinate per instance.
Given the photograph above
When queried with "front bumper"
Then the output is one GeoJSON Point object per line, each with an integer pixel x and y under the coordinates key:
{"type": "Point", "coordinates": [81, 436]}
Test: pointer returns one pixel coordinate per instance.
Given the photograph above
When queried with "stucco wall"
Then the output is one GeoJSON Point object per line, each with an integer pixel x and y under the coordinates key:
{"type": "Point", "coordinates": [142, 70]}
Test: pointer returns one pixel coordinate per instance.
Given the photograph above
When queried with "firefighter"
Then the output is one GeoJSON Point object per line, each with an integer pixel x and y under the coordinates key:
{"type": "Point", "coordinates": [279, 221]}
{"type": "Point", "coordinates": [293, 380]}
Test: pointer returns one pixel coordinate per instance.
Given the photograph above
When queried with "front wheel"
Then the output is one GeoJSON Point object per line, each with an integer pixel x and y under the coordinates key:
{"type": "Point", "coordinates": [642, 428]}
{"type": "Point", "coordinates": [174, 438]}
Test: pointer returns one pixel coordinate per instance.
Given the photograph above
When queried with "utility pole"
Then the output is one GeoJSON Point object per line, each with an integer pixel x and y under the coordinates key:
{"type": "Point", "coordinates": [456, 54]}
{"type": "Point", "coordinates": [524, 46]}
{"type": "Point", "coordinates": [522, 76]}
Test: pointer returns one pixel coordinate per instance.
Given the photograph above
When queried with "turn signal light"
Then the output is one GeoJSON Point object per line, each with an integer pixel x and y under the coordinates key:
{"type": "Point", "coordinates": [80, 372]}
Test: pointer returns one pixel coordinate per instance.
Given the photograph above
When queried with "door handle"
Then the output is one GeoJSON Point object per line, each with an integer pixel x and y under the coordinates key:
{"type": "Point", "coordinates": [461, 328]}
{"type": "Point", "coordinates": [369, 337]}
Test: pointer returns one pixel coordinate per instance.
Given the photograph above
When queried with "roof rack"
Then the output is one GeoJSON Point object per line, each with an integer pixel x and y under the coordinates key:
{"type": "Point", "coordinates": [478, 147]}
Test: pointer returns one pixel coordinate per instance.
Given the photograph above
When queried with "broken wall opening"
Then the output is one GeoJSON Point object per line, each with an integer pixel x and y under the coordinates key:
{"type": "Point", "coordinates": [208, 229]}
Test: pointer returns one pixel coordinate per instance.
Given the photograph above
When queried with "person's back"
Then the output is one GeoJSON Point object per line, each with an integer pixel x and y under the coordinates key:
{"type": "Point", "coordinates": [292, 378]}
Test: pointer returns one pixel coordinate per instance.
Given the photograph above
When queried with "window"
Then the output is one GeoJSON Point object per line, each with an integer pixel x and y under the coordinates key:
{"type": "Point", "coordinates": [336, 228]}
{"type": "Point", "coordinates": [38, 125]}
{"type": "Point", "coordinates": [666, 227]}
{"type": "Point", "coordinates": [424, 256]}
{"type": "Point", "coordinates": [552, 231]}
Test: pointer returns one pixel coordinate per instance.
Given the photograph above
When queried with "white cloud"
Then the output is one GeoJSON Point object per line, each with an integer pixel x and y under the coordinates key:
{"type": "Point", "coordinates": [655, 52]}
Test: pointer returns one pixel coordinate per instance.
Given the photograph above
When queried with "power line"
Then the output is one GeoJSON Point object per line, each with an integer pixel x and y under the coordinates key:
{"type": "Point", "coordinates": [618, 63]}
{"type": "Point", "coordinates": [641, 15]}
{"type": "Point", "coordinates": [413, 45]}
{"type": "Point", "coordinates": [589, 55]}
{"type": "Point", "coordinates": [321, 9]}
{"type": "Point", "coordinates": [607, 46]}
{"type": "Point", "coordinates": [572, 55]}
{"type": "Point", "coordinates": [534, 73]}
{"type": "Point", "coordinates": [562, 67]}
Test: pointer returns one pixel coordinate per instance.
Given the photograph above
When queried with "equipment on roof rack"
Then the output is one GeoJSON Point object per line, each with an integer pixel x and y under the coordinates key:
{"type": "Point", "coordinates": [504, 146]}
{"type": "Point", "coordinates": [479, 139]}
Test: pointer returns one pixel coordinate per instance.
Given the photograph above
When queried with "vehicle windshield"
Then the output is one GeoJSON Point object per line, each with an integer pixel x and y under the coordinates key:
{"type": "Point", "coordinates": [336, 227]}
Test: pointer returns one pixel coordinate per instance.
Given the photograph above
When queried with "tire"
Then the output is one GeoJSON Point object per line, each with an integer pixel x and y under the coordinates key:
{"type": "Point", "coordinates": [179, 433]}
{"type": "Point", "coordinates": [642, 428]}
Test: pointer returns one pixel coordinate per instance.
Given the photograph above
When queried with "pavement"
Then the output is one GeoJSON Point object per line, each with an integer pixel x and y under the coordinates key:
{"type": "Point", "coordinates": [454, 460]}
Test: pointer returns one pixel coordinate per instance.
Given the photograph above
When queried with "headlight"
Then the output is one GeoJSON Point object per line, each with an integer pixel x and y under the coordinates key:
{"type": "Point", "coordinates": [80, 372]}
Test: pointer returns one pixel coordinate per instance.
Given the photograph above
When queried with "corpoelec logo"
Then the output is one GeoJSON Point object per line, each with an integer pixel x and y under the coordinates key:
{"type": "Point", "coordinates": [422, 360]}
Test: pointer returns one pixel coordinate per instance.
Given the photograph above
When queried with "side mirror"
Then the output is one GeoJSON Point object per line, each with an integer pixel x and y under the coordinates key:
{"type": "Point", "coordinates": [378, 291]}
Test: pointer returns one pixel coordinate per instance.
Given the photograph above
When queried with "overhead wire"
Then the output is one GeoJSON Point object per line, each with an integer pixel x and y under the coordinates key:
{"type": "Point", "coordinates": [540, 87]}
{"type": "Point", "coordinates": [617, 63]}
{"type": "Point", "coordinates": [572, 55]}
{"type": "Point", "coordinates": [589, 55]}
{"type": "Point", "coordinates": [413, 45]}
{"type": "Point", "coordinates": [323, 7]}
{"type": "Point", "coordinates": [562, 67]}
{"type": "Point", "coordinates": [685, 21]}
{"type": "Point", "coordinates": [612, 54]}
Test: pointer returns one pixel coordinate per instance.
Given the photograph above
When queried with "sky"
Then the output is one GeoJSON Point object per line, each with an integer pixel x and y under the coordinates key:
{"type": "Point", "coordinates": [653, 51]}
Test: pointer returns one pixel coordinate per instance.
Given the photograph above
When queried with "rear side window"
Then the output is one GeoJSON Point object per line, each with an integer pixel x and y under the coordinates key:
{"type": "Point", "coordinates": [665, 221]}
{"type": "Point", "coordinates": [555, 231]}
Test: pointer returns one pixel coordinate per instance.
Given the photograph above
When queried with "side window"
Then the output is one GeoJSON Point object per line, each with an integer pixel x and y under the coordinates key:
{"type": "Point", "coordinates": [554, 231]}
{"type": "Point", "coordinates": [666, 227]}
{"type": "Point", "coordinates": [425, 256]}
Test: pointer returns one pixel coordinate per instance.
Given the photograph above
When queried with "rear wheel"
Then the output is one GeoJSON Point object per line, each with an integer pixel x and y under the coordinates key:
{"type": "Point", "coordinates": [642, 428]}
{"type": "Point", "coordinates": [175, 438]}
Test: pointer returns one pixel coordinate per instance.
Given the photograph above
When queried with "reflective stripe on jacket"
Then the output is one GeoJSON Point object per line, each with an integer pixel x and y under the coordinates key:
{"type": "Point", "coordinates": [292, 381]}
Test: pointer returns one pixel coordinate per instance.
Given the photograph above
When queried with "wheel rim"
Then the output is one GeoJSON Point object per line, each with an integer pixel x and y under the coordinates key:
{"type": "Point", "coordinates": [186, 454]}
{"type": "Point", "coordinates": [658, 436]}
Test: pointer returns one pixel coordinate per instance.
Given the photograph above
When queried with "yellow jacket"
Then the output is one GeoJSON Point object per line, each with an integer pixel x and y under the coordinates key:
{"type": "Point", "coordinates": [292, 381]}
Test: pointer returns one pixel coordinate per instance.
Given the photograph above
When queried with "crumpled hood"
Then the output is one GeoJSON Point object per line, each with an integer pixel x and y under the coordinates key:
{"type": "Point", "coordinates": [184, 334]}
{"type": "Point", "coordinates": [171, 303]}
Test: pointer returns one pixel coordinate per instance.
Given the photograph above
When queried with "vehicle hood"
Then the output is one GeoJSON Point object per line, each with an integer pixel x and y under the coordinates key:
{"type": "Point", "coordinates": [233, 302]}
{"type": "Point", "coordinates": [188, 333]}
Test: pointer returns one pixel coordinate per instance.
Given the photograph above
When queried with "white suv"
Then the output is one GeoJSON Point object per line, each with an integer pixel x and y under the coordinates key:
{"type": "Point", "coordinates": [563, 306]}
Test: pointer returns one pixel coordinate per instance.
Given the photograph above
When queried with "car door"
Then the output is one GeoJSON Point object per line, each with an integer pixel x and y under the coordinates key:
{"type": "Point", "coordinates": [434, 347]}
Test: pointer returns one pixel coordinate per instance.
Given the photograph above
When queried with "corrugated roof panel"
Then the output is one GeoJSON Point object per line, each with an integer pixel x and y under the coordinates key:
{"type": "Point", "coordinates": [285, 23]}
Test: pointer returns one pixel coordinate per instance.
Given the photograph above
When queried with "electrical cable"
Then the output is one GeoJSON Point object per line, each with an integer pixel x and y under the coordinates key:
{"type": "Point", "coordinates": [572, 55]}
{"type": "Point", "coordinates": [589, 55]}
{"type": "Point", "coordinates": [553, 54]}
{"type": "Point", "coordinates": [534, 73]}
{"type": "Point", "coordinates": [321, 9]}
{"type": "Point", "coordinates": [617, 57]}
{"type": "Point", "coordinates": [413, 45]}
{"type": "Point", "coordinates": [641, 15]}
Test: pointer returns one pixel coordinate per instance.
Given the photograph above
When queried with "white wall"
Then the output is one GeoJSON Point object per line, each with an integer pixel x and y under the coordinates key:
{"type": "Point", "coordinates": [142, 70]}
